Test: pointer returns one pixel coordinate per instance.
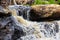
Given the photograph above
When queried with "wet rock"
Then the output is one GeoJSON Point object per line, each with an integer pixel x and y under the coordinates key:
{"type": "Point", "coordinates": [17, 34]}
{"type": "Point", "coordinates": [44, 12]}
{"type": "Point", "coordinates": [9, 26]}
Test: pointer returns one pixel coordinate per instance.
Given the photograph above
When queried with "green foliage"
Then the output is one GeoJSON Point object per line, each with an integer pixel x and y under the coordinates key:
{"type": "Point", "coordinates": [58, 1]}
{"type": "Point", "coordinates": [41, 2]}
{"type": "Point", "coordinates": [37, 1]}
{"type": "Point", "coordinates": [46, 2]}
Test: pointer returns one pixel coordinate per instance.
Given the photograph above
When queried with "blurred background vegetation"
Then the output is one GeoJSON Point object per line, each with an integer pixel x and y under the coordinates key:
{"type": "Point", "coordinates": [47, 2]}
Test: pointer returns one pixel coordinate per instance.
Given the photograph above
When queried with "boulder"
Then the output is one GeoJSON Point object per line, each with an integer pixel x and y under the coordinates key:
{"type": "Point", "coordinates": [42, 12]}
{"type": "Point", "coordinates": [10, 29]}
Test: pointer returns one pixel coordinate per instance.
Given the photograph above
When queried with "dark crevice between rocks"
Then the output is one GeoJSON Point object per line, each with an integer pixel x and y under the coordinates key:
{"type": "Point", "coordinates": [46, 19]}
{"type": "Point", "coordinates": [4, 14]}
{"type": "Point", "coordinates": [17, 34]}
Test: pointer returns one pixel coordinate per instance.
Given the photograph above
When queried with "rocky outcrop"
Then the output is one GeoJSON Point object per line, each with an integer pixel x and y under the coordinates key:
{"type": "Point", "coordinates": [10, 29]}
{"type": "Point", "coordinates": [42, 12]}
{"type": "Point", "coordinates": [25, 1]}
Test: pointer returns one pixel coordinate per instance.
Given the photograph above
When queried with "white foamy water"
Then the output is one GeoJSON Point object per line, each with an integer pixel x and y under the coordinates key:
{"type": "Point", "coordinates": [42, 30]}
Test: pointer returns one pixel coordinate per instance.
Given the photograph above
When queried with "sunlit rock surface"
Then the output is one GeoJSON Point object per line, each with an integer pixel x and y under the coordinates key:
{"type": "Point", "coordinates": [24, 2]}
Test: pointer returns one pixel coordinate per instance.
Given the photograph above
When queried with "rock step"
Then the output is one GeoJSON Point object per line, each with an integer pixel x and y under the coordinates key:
{"type": "Point", "coordinates": [44, 12]}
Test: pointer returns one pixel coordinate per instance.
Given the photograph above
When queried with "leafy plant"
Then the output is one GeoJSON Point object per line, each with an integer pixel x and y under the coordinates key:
{"type": "Point", "coordinates": [37, 2]}
{"type": "Point", "coordinates": [41, 2]}
{"type": "Point", "coordinates": [58, 1]}
{"type": "Point", "coordinates": [52, 1]}
{"type": "Point", "coordinates": [45, 2]}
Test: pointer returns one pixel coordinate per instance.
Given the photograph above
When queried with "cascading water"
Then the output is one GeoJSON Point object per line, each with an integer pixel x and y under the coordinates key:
{"type": "Point", "coordinates": [25, 11]}
{"type": "Point", "coordinates": [36, 30]}
{"type": "Point", "coordinates": [21, 10]}
{"type": "Point", "coordinates": [42, 31]}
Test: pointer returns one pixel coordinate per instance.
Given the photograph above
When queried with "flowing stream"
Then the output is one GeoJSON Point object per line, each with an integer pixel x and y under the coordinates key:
{"type": "Point", "coordinates": [40, 30]}
{"type": "Point", "coordinates": [13, 30]}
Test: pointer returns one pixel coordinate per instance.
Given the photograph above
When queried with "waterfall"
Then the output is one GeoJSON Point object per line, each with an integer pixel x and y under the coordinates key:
{"type": "Point", "coordinates": [21, 10]}
{"type": "Point", "coordinates": [28, 10]}
{"type": "Point", "coordinates": [24, 11]}
{"type": "Point", "coordinates": [38, 30]}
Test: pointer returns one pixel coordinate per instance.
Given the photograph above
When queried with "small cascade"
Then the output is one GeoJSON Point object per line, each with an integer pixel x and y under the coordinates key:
{"type": "Point", "coordinates": [24, 11]}
{"type": "Point", "coordinates": [33, 30]}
